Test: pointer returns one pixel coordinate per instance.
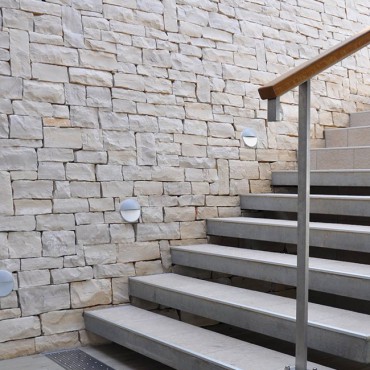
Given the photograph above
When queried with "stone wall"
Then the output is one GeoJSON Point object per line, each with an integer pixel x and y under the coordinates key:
{"type": "Point", "coordinates": [102, 100]}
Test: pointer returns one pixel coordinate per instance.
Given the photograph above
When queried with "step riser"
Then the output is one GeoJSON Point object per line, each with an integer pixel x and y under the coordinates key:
{"type": "Point", "coordinates": [359, 242]}
{"type": "Point", "coordinates": [263, 323]}
{"type": "Point", "coordinates": [347, 137]}
{"type": "Point", "coordinates": [355, 208]}
{"type": "Point", "coordinates": [169, 356]}
{"type": "Point", "coordinates": [360, 119]}
{"type": "Point", "coordinates": [340, 159]}
{"type": "Point", "coordinates": [319, 281]}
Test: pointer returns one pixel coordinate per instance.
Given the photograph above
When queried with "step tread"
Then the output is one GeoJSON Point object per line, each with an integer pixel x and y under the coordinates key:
{"type": "Point", "coordinates": [321, 204]}
{"type": "Point", "coordinates": [337, 178]}
{"type": "Point", "coordinates": [324, 317]}
{"type": "Point", "coordinates": [227, 352]}
{"type": "Point", "coordinates": [351, 128]}
{"type": "Point", "coordinates": [280, 259]}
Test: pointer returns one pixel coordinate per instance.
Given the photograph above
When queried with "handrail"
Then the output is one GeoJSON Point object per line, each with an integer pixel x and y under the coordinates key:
{"type": "Point", "coordinates": [311, 68]}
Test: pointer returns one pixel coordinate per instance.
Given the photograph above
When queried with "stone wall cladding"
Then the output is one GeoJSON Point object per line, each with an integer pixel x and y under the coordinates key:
{"type": "Point", "coordinates": [104, 100]}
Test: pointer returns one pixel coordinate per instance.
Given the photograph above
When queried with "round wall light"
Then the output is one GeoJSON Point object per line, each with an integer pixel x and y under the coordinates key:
{"type": "Point", "coordinates": [6, 283]}
{"type": "Point", "coordinates": [249, 137]}
{"type": "Point", "coordinates": [130, 210]}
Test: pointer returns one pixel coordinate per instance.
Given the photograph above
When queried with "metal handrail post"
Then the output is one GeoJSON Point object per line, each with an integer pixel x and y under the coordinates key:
{"type": "Point", "coordinates": [303, 224]}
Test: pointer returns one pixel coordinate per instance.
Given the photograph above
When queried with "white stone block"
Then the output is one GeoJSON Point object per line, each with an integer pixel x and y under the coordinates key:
{"type": "Point", "coordinates": [11, 87]}
{"type": "Point", "coordinates": [51, 171]}
{"type": "Point", "coordinates": [90, 77]}
{"type": "Point", "coordinates": [25, 127]}
{"type": "Point", "coordinates": [75, 94]}
{"type": "Point", "coordinates": [120, 290]}
{"type": "Point", "coordinates": [20, 53]}
{"type": "Point", "coordinates": [39, 189]}
{"type": "Point", "coordinates": [19, 328]}
{"type": "Point", "coordinates": [158, 231]}
{"type": "Point", "coordinates": [67, 275]}
{"type": "Point", "coordinates": [55, 222]}
{"type": "Point", "coordinates": [108, 172]}
{"type": "Point", "coordinates": [98, 60]}
{"type": "Point", "coordinates": [71, 205]}
{"type": "Point", "coordinates": [91, 293]}
{"type": "Point", "coordinates": [42, 263]}
{"type": "Point", "coordinates": [82, 189]}
{"type": "Point", "coordinates": [48, 24]}
{"type": "Point", "coordinates": [32, 108]}
{"type": "Point", "coordinates": [52, 54]}
{"type": "Point", "coordinates": [58, 243]}
{"type": "Point", "coordinates": [199, 111]}
{"type": "Point", "coordinates": [116, 270]}
{"type": "Point", "coordinates": [80, 171]}
{"type": "Point", "coordinates": [129, 81]}
{"type": "Point", "coordinates": [148, 268]}
{"type": "Point", "coordinates": [122, 233]}
{"type": "Point", "coordinates": [119, 140]}
{"type": "Point", "coordinates": [44, 91]}
{"type": "Point", "coordinates": [49, 343]}
{"type": "Point", "coordinates": [62, 321]}
{"type": "Point", "coordinates": [54, 297]}
{"type": "Point", "coordinates": [32, 207]}
{"type": "Point", "coordinates": [62, 137]}
{"type": "Point", "coordinates": [101, 254]}
{"type": "Point", "coordinates": [24, 244]}
{"type": "Point", "coordinates": [99, 97]}
{"type": "Point", "coordinates": [6, 195]}
{"type": "Point", "coordinates": [146, 149]}
{"type": "Point", "coordinates": [17, 223]}
{"type": "Point", "coordinates": [33, 278]}
{"type": "Point", "coordinates": [133, 252]}
{"type": "Point", "coordinates": [92, 234]}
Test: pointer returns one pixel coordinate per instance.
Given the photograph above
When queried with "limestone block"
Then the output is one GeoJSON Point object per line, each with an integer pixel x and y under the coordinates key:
{"type": "Point", "coordinates": [116, 270]}
{"type": "Point", "coordinates": [177, 188]}
{"type": "Point", "coordinates": [92, 139]}
{"type": "Point", "coordinates": [17, 348]}
{"type": "Point", "coordinates": [224, 176]}
{"type": "Point", "coordinates": [10, 301]}
{"type": "Point", "coordinates": [231, 72]}
{"type": "Point", "coordinates": [170, 16]}
{"type": "Point", "coordinates": [122, 233]}
{"type": "Point", "coordinates": [146, 149]}
{"type": "Point", "coordinates": [92, 234]}
{"type": "Point", "coordinates": [101, 204]}
{"type": "Point", "coordinates": [72, 27]}
{"type": "Point", "coordinates": [55, 222]}
{"type": "Point", "coordinates": [10, 313]}
{"type": "Point", "coordinates": [101, 254]}
{"type": "Point", "coordinates": [99, 97]}
{"type": "Point", "coordinates": [62, 321]}
{"type": "Point", "coordinates": [4, 126]}
{"type": "Point", "coordinates": [51, 171]}
{"type": "Point", "coordinates": [20, 328]}
{"type": "Point", "coordinates": [148, 268]}
{"type": "Point", "coordinates": [98, 60]}
{"type": "Point", "coordinates": [4, 246]}
{"type": "Point", "coordinates": [217, 35]}
{"type": "Point", "coordinates": [24, 244]}
{"type": "Point", "coordinates": [168, 174]}
{"type": "Point", "coordinates": [10, 87]}
{"type": "Point", "coordinates": [62, 190]}
{"type": "Point", "coordinates": [20, 53]}
{"type": "Point", "coordinates": [108, 172]}
{"type": "Point", "coordinates": [6, 195]}
{"type": "Point", "coordinates": [113, 121]}
{"type": "Point", "coordinates": [189, 150]}
{"type": "Point", "coordinates": [82, 189]}
{"type": "Point", "coordinates": [190, 230]}
{"type": "Point", "coordinates": [91, 157]}
{"type": "Point", "coordinates": [223, 152]}
{"type": "Point", "coordinates": [129, 81]}
{"type": "Point", "coordinates": [179, 214]}
{"type": "Point", "coordinates": [75, 94]}
{"type": "Point", "coordinates": [44, 91]}
{"type": "Point", "coordinates": [148, 188]}
{"type": "Point", "coordinates": [90, 77]}
{"type": "Point", "coordinates": [206, 212]}
{"type": "Point", "coordinates": [52, 54]}
{"type": "Point", "coordinates": [72, 205]}
{"type": "Point", "coordinates": [198, 111]}
{"type": "Point", "coordinates": [23, 175]}
{"type": "Point", "coordinates": [17, 223]}
{"type": "Point", "coordinates": [119, 189]}
{"type": "Point", "coordinates": [191, 200]}
{"type": "Point", "coordinates": [49, 343]}
{"type": "Point", "coordinates": [120, 290]}
{"type": "Point", "coordinates": [56, 137]}
{"type": "Point", "coordinates": [42, 263]}
{"type": "Point", "coordinates": [158, 231]}
{"type": "Point", "coordinates": [25, 127]}
{"type": "Point", "coordinates": [58, 243]}
{"type": "Point", "coordinates": [50, 298]}
{"type": "Point", "coordinates": [114, 140]}
{"type": "Point", "coordinates": [14, 18]}
{"type": "Point", "coordinates": [68, 275]}
{"type": "Point", "coordinates": [133, 252]}
{"type": "Point", "coordinates": [32, 108]}
{"type": "Point", "coordinates": [80, 171]}
{"type": "Point", "coordinates": [39, 189]}
{"type": "Point", "coordinates": [91, 293]}
{"type": "Point", "coordinates": [11, 265]}
{"type": "Point", "coordinates": [84, 117]}
{"type": "Point", "coordinates": [33, 278]}
{"type": "Point", "coordinates": [48, 24]}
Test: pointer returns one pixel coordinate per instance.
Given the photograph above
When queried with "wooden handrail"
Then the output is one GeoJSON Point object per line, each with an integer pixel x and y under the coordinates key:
{"type": "Point", "coordinates": [311, 68]}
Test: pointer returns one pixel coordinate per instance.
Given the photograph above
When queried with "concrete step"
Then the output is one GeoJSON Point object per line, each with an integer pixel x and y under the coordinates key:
{"type": "Point", "coordinates": [340, 158]}
{"type": "Point", "coordinates": [327, 178]}
{"type": "Point", "coordinates": [321, 204]}
{"type": "Point", "coordinates": [180, 345]}
{"type": "Point", "coordinates": [359, 119]}
{"type": "Point", "coordinates": [325, 235]}
{"type": "Point", "coordinates": [335, 277]}
{"type": "Point", "coordinates": [331, 330]}
{"type": "Point", "coordinates": [347, 137]}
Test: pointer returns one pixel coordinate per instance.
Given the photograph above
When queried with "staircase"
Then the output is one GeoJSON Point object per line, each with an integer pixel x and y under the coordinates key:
{"type": "Point", "coordinates": [260, 247]}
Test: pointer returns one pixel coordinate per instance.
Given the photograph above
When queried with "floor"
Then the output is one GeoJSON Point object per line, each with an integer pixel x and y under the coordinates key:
{"type": "Point", "coordinates": [113, 355]}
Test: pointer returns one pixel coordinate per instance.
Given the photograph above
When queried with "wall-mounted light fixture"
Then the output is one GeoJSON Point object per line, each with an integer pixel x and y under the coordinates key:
{"type": "Point", "coordinates": [6, 283]}
{"type": "Point", "coordinates": [130, 210]}
{"type": "Point", "coordinates": [249, 137]}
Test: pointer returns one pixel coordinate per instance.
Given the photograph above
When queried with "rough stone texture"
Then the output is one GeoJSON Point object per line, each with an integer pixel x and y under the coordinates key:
{"type": "Point", "coordinates": [101, 101]}
{"type": "Point", "coordinates": [25, 327]}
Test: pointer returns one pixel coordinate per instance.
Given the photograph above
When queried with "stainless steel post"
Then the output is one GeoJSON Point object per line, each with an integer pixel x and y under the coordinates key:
{"type": "Point", "coordinates": [303, 224]}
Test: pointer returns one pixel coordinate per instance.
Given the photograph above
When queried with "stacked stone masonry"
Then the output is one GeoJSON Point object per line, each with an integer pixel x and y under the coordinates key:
{"type": "Point", "coordinates": [104, 100]}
